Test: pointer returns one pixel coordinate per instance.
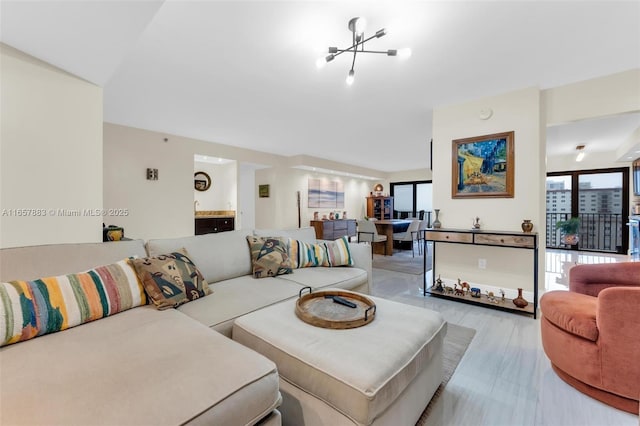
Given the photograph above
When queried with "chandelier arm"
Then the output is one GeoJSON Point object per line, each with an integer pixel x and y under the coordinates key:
{"type": "Point", "coordinates": [353, 63]}
{"type": "Point", "coordinates": [363, 51]}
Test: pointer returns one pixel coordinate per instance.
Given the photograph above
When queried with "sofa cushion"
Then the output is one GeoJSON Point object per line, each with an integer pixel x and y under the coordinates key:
{"type": "Point", "coordinates": [140, 367]}
{"type": "Point", "coordinates": [29, 263]}
{"type": "Point", "coordinates": [32, 308]}
{"type": "Point", "coordinates": [171, 279]}
{"type": "Point", "coordinates": [219, 256]}
{"type": "Point", "coordinates": [269, 256]}
{"type": "Point", "coordinates": [572, 312]}
{"type": "Point", "coordinates": [342, 277]}
{"type": "Point", "coordinates": [236, 297]}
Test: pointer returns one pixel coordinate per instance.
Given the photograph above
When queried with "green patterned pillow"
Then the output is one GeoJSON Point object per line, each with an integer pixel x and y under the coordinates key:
{"type": "Point", "coordinates": [269, 256]}
{"type": "Point", "coordinates": [171, 279]}
{"type": "Point", "coordinates": [32, 308]}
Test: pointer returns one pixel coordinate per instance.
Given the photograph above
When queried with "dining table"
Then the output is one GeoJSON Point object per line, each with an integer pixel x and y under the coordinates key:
{"type": "Point", "coordinates": [388, 227]}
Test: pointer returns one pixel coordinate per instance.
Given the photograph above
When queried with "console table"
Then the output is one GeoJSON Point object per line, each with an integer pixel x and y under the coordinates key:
{"type": "Point", "coordinates": [513, 240]}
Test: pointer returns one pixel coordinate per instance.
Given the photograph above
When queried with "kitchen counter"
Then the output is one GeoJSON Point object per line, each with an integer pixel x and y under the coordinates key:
{"type": "Point", "coordinates": [204, 214]}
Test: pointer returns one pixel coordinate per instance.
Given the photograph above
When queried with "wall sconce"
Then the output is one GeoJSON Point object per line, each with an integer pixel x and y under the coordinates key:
{"type": "Point", "coordinates": [152, 174]}
{"type": "Point", "coordinates": [580, 156]}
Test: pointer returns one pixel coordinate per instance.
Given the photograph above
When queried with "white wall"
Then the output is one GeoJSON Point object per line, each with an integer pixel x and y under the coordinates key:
{"type": "Point", "coordinates": [247, 188]}
{"type": "Point", "coordinates": [280, 209]}
{"type": "Point", "coordinates": [598, 97]}
{"type": "Point", "coordinates": [51, 154]}
{"type": "Point", "coordinates": [164, 208]}
{"type": "Point", "coordinates": [157, 209]}
{"type": "Point", "coordinates": [410, 175]}
{"type": "Point", "coordinates": [518, 111]}
{"type": "Point", "coordinates": [223, 193]}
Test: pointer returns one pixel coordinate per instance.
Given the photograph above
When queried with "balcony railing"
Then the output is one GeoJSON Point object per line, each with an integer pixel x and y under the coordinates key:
{"type": "Point", "coordinates": [598, 231]}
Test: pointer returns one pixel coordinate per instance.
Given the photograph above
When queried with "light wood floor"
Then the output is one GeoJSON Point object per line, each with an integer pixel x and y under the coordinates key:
{"type": "Point", "coordinates": [504, 377]}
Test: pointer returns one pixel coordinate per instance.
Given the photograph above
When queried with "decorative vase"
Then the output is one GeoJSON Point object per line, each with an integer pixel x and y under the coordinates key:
{"type": "Point", "coordinates": [527, 226]}
{"type": "Point", "coordinates": [436, 223]}
{"type": "Point", "coordinates": [476, 223]}
{"type": "Point", "coordinates": [519, 301]}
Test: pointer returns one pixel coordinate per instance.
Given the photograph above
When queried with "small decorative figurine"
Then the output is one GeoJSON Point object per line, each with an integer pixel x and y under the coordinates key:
{"type": "Point", "coordinates": [458, 291]}
{"type": "Point", "coordinates": [502, 295]}
{"type": "Point", "coordinates": [464, 286]}
{"type": "Point", "coordinates": [491, 297]}
{"type": "Point", "coordinates": [438, 285]}
{"type": "Point", "coordinates": [337, 216]}
{"type": "Point", "coordinates": [448, 290]}
{"type": "Point", "coordinates": [316, 216]}
{"type": "Point", "coordinates": [475, 292]}
{"type": "Point", "coordinates": [476, 223]}
{"type": "Point", "coordinates": [344, 214]}
{"type": "Point", "coordinates": [331, 216]}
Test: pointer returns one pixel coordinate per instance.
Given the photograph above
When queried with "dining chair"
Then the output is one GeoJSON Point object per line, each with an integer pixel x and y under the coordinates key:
{"type": "Point", "coordinates": [368, 233]}
{"type": "Point", "coordinates": [422, 229]}
{"type": "Point", "coordinates": [411, 234]}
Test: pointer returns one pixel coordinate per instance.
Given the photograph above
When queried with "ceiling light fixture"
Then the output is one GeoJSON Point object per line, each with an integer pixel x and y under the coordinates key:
{"type": "Point", "coordinates": [356, 26]}
{"type": "Point", "coordinates": [580, 156]}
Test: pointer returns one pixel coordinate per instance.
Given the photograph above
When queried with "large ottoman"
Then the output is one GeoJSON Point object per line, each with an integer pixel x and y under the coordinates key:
{"type": "Point", "coordinates": [383, 373]}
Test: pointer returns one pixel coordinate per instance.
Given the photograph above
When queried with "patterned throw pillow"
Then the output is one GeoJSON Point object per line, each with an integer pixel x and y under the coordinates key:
{"type": "Point", "coordinates": [269, 256]}
{"type": "Point", "coordinates": [338, 253]}
{"type": "Point", "coordinates": [32, 308]}
{"type": "Point", "coordinates": [305, 255]}
{"type": "Point", "coordinates": [171, 279]}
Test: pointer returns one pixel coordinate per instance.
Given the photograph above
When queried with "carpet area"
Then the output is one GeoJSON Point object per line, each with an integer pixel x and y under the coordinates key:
{"type": "Point", "coordinates": [455, 345]}
{"type": "Point", "coordinates": [401, 261]}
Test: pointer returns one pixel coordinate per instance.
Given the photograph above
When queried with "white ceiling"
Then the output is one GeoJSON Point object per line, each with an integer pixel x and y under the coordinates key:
{"type": "Point", "coordinates": [243, 73]}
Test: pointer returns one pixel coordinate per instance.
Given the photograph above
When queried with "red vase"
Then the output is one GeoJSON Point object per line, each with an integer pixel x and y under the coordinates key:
{"type": "Point", "coordinates": [519, 301]}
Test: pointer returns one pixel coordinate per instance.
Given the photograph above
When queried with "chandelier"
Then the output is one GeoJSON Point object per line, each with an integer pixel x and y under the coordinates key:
{"type": "Point", "coordinates": [357, 26]}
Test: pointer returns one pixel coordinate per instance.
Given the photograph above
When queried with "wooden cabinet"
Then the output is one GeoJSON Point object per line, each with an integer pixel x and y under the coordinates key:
{"type": "Point", "coordinates": [211, 225]}
{"type": "Point", "coordinates": [380, 208]}
{"type": "Point", "coordinates": [334, 229]}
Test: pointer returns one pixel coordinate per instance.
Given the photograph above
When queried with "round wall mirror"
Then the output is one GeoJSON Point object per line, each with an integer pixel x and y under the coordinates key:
{"type": "Point", "coordinates": [202, 181]}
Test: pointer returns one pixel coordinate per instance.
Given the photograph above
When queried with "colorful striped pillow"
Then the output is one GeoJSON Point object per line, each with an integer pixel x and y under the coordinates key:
{"type": "Point", "coordinates": [338, 253]}
{"type": "Point", "coordinates": [328, 253]}
{"type": "Point", "coordinates": [32, 308]}
{"type": "Point", "coordinates": [305, 255]}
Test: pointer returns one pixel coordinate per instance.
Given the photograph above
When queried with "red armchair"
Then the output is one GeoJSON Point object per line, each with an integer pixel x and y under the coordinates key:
{"type": "Point", "coordinates": [591, 333]}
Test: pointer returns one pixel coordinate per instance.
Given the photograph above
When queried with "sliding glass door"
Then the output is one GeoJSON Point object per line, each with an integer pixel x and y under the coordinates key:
{"type": "Point", "coordinates": [600, 198]}
{"type": "Point", "coordinates": [412, 199]}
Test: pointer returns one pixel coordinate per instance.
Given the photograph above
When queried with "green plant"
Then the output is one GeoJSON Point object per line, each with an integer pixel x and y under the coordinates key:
{"type": "Point", "coordinates": [569, 227]}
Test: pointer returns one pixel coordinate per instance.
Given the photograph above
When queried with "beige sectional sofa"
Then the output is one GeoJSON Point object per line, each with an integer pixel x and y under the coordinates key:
{"type": "Point", "coordinates": [149, 367]}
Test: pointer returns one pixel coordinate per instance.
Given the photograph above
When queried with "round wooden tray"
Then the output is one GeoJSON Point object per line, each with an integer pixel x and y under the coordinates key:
{"type": "Point", "coordinates": [320, 310]}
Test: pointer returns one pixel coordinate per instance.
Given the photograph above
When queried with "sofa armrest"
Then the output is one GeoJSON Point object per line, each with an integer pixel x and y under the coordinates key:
{"type": "Point", "coordinates": [361, 255]}
{"type": "Point", "coordinates": [618, 324]}
{"type": "Point", "coordinates": [592, 279]}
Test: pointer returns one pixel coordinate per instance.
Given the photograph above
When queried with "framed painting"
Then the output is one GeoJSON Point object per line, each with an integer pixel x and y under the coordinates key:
{"type": "Point", "coordinates": [483, 166]}
{"type": "Point", "coordinates": [325, 194]}
{"type": "Point", "coordinates": [263, 191]}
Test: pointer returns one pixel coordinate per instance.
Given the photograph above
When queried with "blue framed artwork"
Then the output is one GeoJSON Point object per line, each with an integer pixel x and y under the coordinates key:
{"type": "Point", "coordinates": [326, 194]}
{"type": "Point", "coordinates": [483, 166]}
